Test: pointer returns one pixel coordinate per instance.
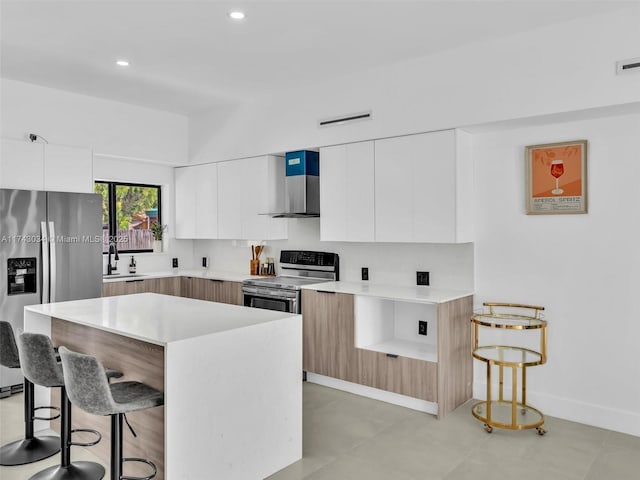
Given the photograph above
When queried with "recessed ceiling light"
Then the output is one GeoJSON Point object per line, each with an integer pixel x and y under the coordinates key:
{"type": "Point", "coordinates": [237, 15]}
{"type": "Point", "coordinates": [122, 63]}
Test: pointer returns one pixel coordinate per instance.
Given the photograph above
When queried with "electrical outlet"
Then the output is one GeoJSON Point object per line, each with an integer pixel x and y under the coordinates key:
{"type": "Point", "coordinates": [365, 273]}
{"type": "Point", "coordinates": [205, 262]}
{"type": "Point", "coordinates": [422, 327]}
{"type": "Point", "coordinates": [174, 262]}
{"type": "Point", "coordinates": [422, 278]}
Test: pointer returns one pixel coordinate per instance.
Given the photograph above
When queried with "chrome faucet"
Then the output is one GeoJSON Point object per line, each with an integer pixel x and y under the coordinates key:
{"type": "Point", "coordinates": [113, 250]}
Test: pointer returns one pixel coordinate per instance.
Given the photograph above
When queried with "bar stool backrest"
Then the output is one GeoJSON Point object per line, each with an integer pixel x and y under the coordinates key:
{"type": "Point", "coordinates": [9, 356]}
{"type": "Point", "coordinates": [86, 383]}
{"type": "Point", "coordinates": [38, 360]}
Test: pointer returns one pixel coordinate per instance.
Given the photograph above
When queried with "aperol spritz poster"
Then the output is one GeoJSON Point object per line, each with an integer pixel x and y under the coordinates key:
{"type": "Point", "coordinates": [557, 178]}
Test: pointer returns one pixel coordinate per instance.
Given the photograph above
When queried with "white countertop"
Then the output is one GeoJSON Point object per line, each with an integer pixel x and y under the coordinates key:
{"type": "Point", "coordinates": [417, 294]}
{"type": "Point", "coordinates": [199, 273]}
{"type": "Point", "coordinates": [158, 319]}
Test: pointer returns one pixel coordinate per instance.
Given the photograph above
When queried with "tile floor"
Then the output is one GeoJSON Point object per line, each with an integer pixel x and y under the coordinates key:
{"type": "Point", "coordinates": [347, 437]}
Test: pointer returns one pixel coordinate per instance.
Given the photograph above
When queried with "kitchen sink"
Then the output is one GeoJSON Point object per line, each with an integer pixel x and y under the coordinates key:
{"type": "Point", "coordinates": [126, 275]}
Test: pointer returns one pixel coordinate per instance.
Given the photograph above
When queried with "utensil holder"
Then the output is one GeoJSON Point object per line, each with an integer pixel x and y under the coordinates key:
{"type": "Point", "coordinates": [254, 267]}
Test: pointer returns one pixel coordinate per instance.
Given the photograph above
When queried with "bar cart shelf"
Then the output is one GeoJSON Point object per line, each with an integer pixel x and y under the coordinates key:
{"type": "Point", "coordinates": [509, 413]}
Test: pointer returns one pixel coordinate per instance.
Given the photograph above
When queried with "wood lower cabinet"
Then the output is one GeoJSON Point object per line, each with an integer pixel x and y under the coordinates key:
{"type": "Point", "coordinates": [112, 289]}
{"type": "Point", "coordinates": [328, 335]}
{"type": "Point", "coordinates": [166, 286]}
{"type": "Point", "coordinates": [329, 349]}
{"type": "Point", "coordinates": [212, 290]}
{"type": "Point", "coordinates": [407, 376]}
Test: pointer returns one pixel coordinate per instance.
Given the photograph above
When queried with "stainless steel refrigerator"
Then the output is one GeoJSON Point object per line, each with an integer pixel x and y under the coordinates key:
{"type": "Point", "coordinates": [50, 251]}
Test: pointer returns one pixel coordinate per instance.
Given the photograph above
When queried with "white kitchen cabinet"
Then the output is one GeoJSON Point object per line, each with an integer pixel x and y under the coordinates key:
{"type": "Point", "coordinates": [68, 169]}
{"type": "Point", "coordinates": [423, 188]}
{"type": "Point", "coordinates": [248, 189]}
{"type": "Point", "coordinates": [233, 177]}
{"type": "Point", "coordinates": [266, 184]}
{"type": "Point", "coordinates": [21, 165]}
{"type": "Point", "coordinates": [347, 199]}
{"type": "Point", "coordinates": [185, 194]}
{"type": "Point", "coordinates": [196, 190]}
{"type": "Point", "coordinates": [37, 166]}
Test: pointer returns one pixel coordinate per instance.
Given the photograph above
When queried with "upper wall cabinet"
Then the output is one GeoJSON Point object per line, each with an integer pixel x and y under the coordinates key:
{"type": "Point", "coordinates": [197, 201]}
{"type": "Point", "coordinates": [225, 200]}
{"type": "Point", "coordinates": [249, 189]}
{"type": "Point", "coordinates": [347, 193]}
{"type": "Point", "coordinates": [423, 188]}
{"type": "Point", "coordinates": [36, 166]}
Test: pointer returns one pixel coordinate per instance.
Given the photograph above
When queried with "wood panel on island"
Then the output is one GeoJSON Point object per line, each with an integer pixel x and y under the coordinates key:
{"type": "Point", "coordinates": [140, 361]}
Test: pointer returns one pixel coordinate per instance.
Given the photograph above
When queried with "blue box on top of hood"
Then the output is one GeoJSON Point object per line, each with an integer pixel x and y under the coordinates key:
{"type": "Point", "coordinates": [302, 162]}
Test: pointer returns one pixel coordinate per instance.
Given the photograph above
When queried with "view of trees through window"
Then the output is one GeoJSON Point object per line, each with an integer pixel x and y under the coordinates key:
{"type": "Point", "coordinates": [128, 211]}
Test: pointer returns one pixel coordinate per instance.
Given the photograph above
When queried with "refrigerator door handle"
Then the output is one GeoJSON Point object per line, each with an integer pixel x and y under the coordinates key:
{"type": "Point", "coordinates": [45, 262]}
{"type": "Point", "coordinates": [52, 249]}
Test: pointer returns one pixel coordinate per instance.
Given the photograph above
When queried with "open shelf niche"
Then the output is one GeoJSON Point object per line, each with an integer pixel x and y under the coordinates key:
{"type": "Point", "coordinates": [391, 326]}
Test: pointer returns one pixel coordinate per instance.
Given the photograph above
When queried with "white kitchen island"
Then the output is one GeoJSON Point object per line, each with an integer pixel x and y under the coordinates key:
{"type": "Point", "coordinates": [231, 376]}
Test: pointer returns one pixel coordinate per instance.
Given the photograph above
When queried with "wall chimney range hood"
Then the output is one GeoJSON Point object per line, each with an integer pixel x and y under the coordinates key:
{"type": "Point", "coordinates": [302, 185]}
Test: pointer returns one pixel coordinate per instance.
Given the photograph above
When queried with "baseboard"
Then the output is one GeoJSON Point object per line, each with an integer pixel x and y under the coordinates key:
{"type": "Point", "coordinates": [375, 393]}
{"type": "Point", "coordinates": [11, 390]}
{"type": "Point", "coordinates": [622, 421]}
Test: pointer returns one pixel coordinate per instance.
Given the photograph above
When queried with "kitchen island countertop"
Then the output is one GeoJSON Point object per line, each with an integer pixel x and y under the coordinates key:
{"type": "Point", "coordinates": [158, 319]}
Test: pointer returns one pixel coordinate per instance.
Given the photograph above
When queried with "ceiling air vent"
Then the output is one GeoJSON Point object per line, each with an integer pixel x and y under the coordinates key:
{"type": "Point", "coordinates": [626, 66]}
{"type": "Point", "coordinates": [353, 117]}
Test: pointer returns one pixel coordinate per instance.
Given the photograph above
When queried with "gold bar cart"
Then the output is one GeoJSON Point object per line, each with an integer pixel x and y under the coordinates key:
{"type": "Point", "coordinates": [509, 413]}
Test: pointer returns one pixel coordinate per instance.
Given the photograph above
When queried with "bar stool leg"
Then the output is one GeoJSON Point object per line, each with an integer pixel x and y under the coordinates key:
{"type": "Point", "coordinates": [30, 449]}
{"type": "Point", "coordinates": [68, 470]}
{"type": "Point", "coordinates": [116, 446]}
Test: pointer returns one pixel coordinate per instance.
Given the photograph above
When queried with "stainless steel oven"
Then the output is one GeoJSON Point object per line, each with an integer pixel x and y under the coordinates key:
{"type": "Point", "coordinates": [282, 300]}
{"type": "Point", "coordinates": [299, 268]}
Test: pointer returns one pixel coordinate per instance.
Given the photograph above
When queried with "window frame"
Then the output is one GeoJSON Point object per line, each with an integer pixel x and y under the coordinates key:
{"type": "Point", "coordinates": [111, 202]}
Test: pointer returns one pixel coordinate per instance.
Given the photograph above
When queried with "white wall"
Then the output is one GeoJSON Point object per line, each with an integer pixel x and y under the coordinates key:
{"type": "Point", "coordinates": [107, 127]}
{"type": "Point", "coordinates": [585, 269]}
{"type": "Point", "coordinates": [111, 169]}
{"type": "Point", "coordinates": [559, 68]}
{"type": "Point", "coordinates": [450, 266]}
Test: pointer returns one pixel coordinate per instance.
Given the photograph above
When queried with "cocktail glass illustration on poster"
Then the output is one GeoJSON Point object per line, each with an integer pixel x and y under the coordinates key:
{"type": "Point", "coordinates": [557, 178]}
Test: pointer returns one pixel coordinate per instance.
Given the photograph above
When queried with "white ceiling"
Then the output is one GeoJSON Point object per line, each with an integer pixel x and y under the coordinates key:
{"type": "Point", "coordinates": [188, 56]}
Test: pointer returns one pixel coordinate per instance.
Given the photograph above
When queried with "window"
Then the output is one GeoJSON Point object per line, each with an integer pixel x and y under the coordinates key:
{"type": "Point", "coordinates": [128, 211]}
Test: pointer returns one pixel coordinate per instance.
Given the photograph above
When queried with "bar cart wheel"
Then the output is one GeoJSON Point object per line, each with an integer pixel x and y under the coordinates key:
{"type": "Point", "coordinates": [488, 428]}
{"type": "Point", "coordinates": [541, 431]}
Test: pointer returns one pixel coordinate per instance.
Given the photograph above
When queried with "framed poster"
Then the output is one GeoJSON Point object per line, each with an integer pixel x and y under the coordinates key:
{"type": "Point", "coordinates": [556, 178]}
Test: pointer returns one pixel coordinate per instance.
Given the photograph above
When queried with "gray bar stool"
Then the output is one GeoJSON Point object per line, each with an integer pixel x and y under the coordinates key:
{"type": "Point", "coordinates": [31, 448]}
{"type": "Point", "coordinates": [90, 391]}
{"type": "Point", "coordinates": [39, 365]}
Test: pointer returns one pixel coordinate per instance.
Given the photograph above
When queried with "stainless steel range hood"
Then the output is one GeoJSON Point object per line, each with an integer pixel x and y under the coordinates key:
{"type": "Point", "coordinates": [302, 186]}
